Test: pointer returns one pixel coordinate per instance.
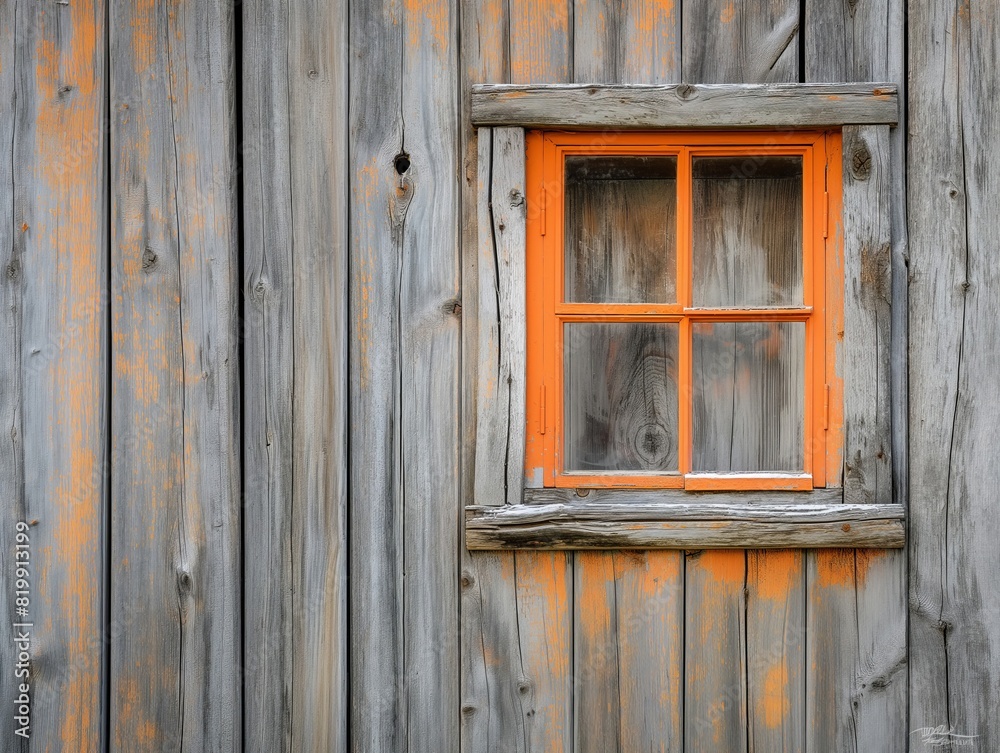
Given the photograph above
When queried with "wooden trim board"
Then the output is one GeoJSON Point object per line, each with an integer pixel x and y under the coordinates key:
{"type": "Point", "coordinates": [593, 106]}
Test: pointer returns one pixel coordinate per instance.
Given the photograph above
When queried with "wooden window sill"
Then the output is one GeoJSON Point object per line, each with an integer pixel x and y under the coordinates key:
{"type": "Point", "coordinates": [675, 519]}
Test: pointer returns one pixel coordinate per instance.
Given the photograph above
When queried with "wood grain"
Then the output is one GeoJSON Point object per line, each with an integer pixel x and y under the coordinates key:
{"type": "Point", "coordinates": [404, 376]}
{"type": "Point", "coordinates": [500, 403]}
{"type": "Point", "coordinates": [952, 210]}
{"type": "Point", "coordinates": [53, 365]}
{"type": "Point", "coordinates": [702, 105]}
{"type": "Point", "coordinates": [857, 645]}
{"type": "Point", "coordinates": [679, 526]}
{"type": "Point", "coordinates": [175, 380]}
{"type": "Point", "coordinates": [295, 361]}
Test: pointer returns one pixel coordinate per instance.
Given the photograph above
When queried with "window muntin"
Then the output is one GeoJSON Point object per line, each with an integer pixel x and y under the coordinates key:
{"type": "Point", "coordinates": [733, 227]}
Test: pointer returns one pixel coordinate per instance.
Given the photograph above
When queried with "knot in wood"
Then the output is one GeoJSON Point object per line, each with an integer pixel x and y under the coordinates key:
{"type": "Point", "coordinates": [313, 74]}
{"type": "Point", "coordinates": [452, 307]}
{"type": "Point", "coordinates": [861, 162]}
{"type": "Point", "coordinates": [149, 259]}
{"type": "Point", "coordinates": [685, 91]}
{"type": "Point", "coordinates": [516, 198]}
{"type": "Point", "coordinates": [13, 269]}
{"type": "Point", "coordinates": [183, 581]}
{"type": "Point", "coordinates": [523, 686]}
{"type": "Point", "coordinates": [468, 709]}
{"type": "Point", "coordinates": [468, 580]}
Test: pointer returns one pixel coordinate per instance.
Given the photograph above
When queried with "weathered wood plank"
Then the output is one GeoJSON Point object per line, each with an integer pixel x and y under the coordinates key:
{"type": "Point", "coordinates": [639, 497]}
{"type": "Point", "coordinates": [856, 651]}
{"type": "Point", "coordinates": [632, 41]}
{"type": "Point", "coordinates": [864, 356]}
{"type": "Point", "coordinates": [684, 105]}
{"type": "Point", "coordinates": [776, 649]}
{"type": "Point", "coordinates": [954, 202]}
{"type": "Point", "coordinates": [709, 510]}
{"type": "Point", "coordinates": [500, 404]}
{"type": "Point", "coordinates": [492, 717]}
{"type": "Point", "coordinates": [628, 651]}
{"type": "Point", "coordinates": [404, 376]}
{"type": "Point", "coordinates": [516, 680]}
{"type": "Point", "coordinates": [175, 380]}
{"type": "Point", "coordinates": [715, 692]}
{"type": "Point", "coordinates": [755, 42]}
{"type": "Point", "coordinates": [296, 278]}
{"type": "Point", "coordinates": [570, 532]}
{"type": "Point", "coordinates": [53, 377]}
{"type": "Point", "coordinates": [745, 43]}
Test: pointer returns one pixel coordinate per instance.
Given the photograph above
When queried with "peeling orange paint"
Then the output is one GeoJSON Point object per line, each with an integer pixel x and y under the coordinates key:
{"type": "Point", "coordinates": [726, 566]}
{"type": "Point", "coordinates": [776, 703]}
{"type": "Point", "coordinates": [728, 13]}
{"type": "Point", "coordinates": [773, 572]}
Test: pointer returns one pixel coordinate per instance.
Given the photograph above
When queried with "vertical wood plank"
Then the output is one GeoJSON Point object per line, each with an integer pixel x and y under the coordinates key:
{"type": "Point", "coordinates": [776, 649]}
{"type": "Point", "coordinates": [404, 376]}
{"type": "Point", "coordinates": [295, 273]}
{"type": "Point", "coordinates": [628, 634]}
{"type": "Point", "coordinates": [953, 206]}
{"type": "Point", "coordinates": [857, 672]}
{"type": "Point", "coordinates": [628, 646]}
{"type": "Point", "coordinates": [725, 42]}
{"type": "Point", "coordinates": [626, 42]}
{"type": "Point", "coordinates": [176, 478]}
{"type": "Point", "coordinates": [53, 361]}
{"type": "Point", "coordinates": [517, 607]}
{"type": "Point", "coordinates": [500, 405]}
{"type": "Point", "coordinates": [740, 42]}
{"type": "Point", "coordinates": [715, 676]}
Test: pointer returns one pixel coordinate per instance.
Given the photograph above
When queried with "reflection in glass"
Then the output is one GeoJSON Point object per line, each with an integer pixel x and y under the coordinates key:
{"type": "Point", "coordinates": [620, 229]}
{"type": "Point", "coordinates": [748, 394]}
{"type": "Point", "coordinates": [747, 231]}
{"type": "Point", "coordinates": [620, 401]}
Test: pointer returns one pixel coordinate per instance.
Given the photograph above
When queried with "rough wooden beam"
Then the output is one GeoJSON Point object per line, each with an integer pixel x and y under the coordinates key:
{"type": "Point", "coordinates": [692, 526]}
{"type": "Point", "coordinates": [638, 497]}
{"type": "Point", "coordinates": [585, 106]}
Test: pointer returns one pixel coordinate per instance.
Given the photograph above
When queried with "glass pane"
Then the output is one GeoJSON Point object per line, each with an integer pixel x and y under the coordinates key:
{"type": "Point", "coordinates": [747, 231]}
{"type": "Point", "coordinates": [748, 394]}
{"type": "Point", "coordinates": [620, 397]}
{"type": "Point", "coordinates": [621, 229]}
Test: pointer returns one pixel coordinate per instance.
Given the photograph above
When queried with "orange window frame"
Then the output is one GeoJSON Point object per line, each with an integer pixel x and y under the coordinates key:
{"type": "Point", "coordinates": [822, 309]}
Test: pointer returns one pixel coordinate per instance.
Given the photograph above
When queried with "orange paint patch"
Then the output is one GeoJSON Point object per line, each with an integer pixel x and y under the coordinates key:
{"type": "Point", "coordinates": [773, 572]}
{"type": "Point", "coordinates": [725, 566]}
{"type": "Point", "coordinates": [835, 567]}
{"type": "Point", "coordinates": [428, 19]}
{"type": "Point", "coordinates": [728, 13]}
{"type": "Point", "coordinates": [776, 703]}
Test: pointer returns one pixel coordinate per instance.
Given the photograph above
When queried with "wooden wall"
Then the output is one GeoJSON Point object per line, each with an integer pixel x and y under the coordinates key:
{"type": "Point", "coordinates": [237, 332]}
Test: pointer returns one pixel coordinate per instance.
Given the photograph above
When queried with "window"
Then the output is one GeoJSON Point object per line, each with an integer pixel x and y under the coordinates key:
{"type": "Point", "coordinates": [681, 306]}
{"type": "Point", "coordinates": [678, 312]}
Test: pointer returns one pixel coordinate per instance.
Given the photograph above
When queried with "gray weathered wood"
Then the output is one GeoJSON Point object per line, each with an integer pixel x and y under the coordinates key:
{"type": "Point", "coordinates": [593, 527]}
{"type": "Point", "coordinates": [684, 105]}
{"type": "Point", "coordinates": [857, 618]}
{"type": "Point", "coordinates": [53, 367]}
{"type": "Point", "coordinates": [295, 272]}
{"type": "Point", "coordinates": [517, 608]}
{"type": "Point", "coordinates": [500, 405]}
{"type": "Point", "coordinates": [708, 510]}
{"type": "Point", "coordinates": [776, 651]}
{"type": "Point", "coordinates": [404, 376]}
{"type": "Point", "coordinates": [864, 355]}
{"type": "Point", "coordinates": [752, 42]}
{"type": "Point", "coordinates": [628, 651]}
{"type": "Point", "coordinates": [640, 497]}
{"type": "Point", "coordinates": [175, 380]}
{"type": "Point", "coordinates": [635, 702]}
{"type": "Point", "coordinates": [953, 206]}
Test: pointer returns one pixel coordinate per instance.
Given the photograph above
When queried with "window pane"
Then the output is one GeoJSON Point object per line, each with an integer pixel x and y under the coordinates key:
{"type": "Point", "coordinates": [620, 397]}
{"type": "Point", "coordinates": [748, 392]}
{"type": "Point", "coordinates": [621, 229]}
{"type": "Point", "coordinates": [747, 231]}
